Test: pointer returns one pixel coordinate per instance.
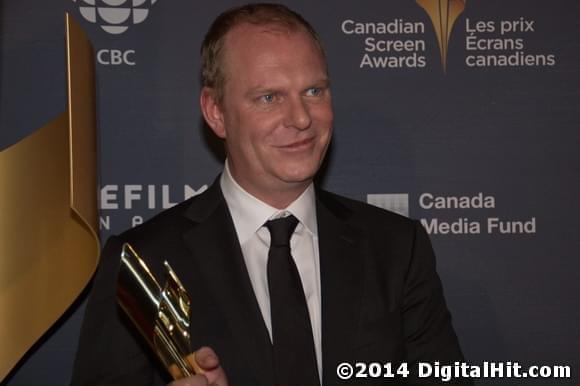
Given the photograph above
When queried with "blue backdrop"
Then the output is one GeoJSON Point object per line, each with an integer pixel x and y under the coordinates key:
{"type": "Point", "coordinates": [483, 152]}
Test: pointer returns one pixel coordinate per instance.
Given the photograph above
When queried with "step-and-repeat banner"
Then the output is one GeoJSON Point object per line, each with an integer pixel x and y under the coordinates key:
{"type": "Point", "coordinates": [464, 114]}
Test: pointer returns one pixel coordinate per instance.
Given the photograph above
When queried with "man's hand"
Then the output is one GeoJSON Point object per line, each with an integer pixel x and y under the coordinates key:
{"type": "Point", "coordinates": [213, 374]}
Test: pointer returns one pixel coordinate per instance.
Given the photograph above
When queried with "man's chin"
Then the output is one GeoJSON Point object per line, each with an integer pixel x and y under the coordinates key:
{"type": "Point", "coordinates": [298, 178]}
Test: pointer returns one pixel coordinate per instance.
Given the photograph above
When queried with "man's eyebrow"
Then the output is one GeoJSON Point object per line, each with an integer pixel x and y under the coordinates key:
{"type": "Point", "coordinates": [260, 90]}
{"type": "Point", "coordinates": [324, 82]}
{"type": "Point", "coordinates": [265, 89]}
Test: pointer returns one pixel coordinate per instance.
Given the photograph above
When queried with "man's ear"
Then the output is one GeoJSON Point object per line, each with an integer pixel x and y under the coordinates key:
{"type": "Point", "coordinates": [212, 112]}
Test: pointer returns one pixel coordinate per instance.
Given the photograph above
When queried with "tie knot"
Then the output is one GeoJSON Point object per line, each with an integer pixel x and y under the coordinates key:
{"type": "Point", "coordinates": [281, 230]}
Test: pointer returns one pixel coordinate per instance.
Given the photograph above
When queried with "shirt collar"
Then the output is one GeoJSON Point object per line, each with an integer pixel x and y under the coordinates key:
{"type": "Point", "coordinates": [249, 213]}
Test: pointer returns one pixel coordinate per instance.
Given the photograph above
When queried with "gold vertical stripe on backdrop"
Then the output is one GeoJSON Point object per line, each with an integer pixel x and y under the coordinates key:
{"type": "Point", "coordinates": [48, 213]}
{"type": "Point", "coordinates": [443, 14]}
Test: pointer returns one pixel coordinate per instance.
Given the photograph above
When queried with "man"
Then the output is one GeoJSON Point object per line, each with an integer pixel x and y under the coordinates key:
{"type": "Point", "coordinates": [358, 283]}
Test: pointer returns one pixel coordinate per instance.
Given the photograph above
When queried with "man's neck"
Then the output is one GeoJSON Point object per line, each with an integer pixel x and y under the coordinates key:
{"type": "Point", "coordinates": [277, 197]}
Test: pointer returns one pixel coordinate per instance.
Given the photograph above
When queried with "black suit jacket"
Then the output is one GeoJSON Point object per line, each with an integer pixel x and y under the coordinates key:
{"type": "Point", "coordinates": [382, 300]}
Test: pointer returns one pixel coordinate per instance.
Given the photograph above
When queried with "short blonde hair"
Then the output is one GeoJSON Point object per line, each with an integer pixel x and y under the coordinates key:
{"type": "Point", "coordinates": [212, 66]}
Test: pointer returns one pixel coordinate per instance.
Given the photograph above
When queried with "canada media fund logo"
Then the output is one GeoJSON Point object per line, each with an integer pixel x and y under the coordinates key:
{"type": "Point", "coordinates": [402, 41]}
{"type": "Point", "coordinates": [457, 215]}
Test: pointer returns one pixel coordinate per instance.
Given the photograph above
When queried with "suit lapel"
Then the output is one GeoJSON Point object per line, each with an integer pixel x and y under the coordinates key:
{"type": "Point", "coordinates": [341, 267]}
{"type": "Point", "coordinates": [213, 243]}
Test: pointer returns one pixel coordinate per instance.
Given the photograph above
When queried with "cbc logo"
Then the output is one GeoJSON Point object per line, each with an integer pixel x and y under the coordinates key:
{"type": "Point", "coordinates": [115, 16]}
{"type": "Point", "coordinates": [115, 57]}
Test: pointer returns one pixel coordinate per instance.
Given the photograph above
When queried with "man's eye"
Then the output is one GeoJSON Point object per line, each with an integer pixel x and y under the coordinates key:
{"type": "Point", "coordinates": [268, 98]}
{"type": "Point", "coordinates": [314, 91]}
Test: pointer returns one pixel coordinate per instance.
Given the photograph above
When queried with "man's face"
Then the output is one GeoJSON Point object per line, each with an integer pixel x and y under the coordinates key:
{"type": "Point", "coordinates": [276, 114]}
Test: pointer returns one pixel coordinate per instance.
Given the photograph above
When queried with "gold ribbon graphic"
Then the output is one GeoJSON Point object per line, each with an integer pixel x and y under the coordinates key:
{"type": "Point", "coordinates": [48, 213]}
{"type": "Point", "coordinates": [443, 14]}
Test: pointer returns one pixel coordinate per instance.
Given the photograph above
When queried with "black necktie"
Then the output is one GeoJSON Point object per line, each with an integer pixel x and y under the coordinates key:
{"type": "Point", "coordinates": [294, 355]}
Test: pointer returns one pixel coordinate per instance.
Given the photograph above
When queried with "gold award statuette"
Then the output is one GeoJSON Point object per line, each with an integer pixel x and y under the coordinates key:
{"type": "Point", "coordinates": [160, 313]}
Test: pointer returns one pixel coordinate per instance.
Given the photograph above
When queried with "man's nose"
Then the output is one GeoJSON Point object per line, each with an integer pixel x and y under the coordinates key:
{"type": "Point", "coordinates": [298, 114]}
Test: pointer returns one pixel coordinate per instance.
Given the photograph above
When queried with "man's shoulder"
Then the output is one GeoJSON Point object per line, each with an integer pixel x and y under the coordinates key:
{"type": "Point", "coordinates": [363, 214]}
{"type": "Point", "coordinates": [162, 234]}
{"type": "Point", "coordinates": [387, 238]}
{"type": "Point", "coordinates": [171, 221]}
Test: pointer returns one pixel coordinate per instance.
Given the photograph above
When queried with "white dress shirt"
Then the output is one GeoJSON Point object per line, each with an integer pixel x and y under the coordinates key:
{"type": "Point", "coordinates": [250, 215]}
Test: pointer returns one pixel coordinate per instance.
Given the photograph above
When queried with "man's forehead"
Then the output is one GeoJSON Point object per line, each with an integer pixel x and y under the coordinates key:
{"type": "Point", "coordinates": [247, 37]}
{"type": "Point", "coordinates": [248, 30]}
{"type": "Point", "coordinates": [267, 45]}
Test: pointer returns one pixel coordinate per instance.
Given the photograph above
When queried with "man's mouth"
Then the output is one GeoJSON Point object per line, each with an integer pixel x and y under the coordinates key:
{"type": "Point", "coordinates": [298, 144]}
